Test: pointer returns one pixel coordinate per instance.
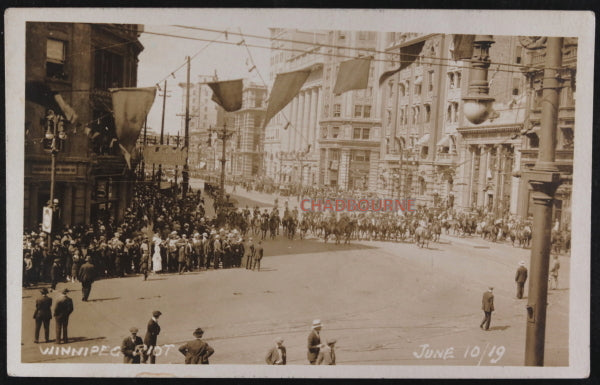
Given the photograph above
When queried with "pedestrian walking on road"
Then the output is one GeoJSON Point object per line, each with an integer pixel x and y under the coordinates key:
{"type": "Point", "coordinates": [554, 273]}
{"type": "Point", "coordinates": [43, 315]}
{"type": "Point", "coordinates": [520, 279]}
{"type": "Point", "coordinates": [55, 273]}
{"type": "Point", "coordinates": [145, 257]}
{"type": "Point", "coordinates": [327, 353]}
{"type": "Point", "coordinates": [87, 276]}
{"type": "Point", "coordinates": [62, 311]}
{"type": "Point", "coordinates": [152, 332]}
{"type": "Point", "coordinates": [314, 342]}
{"type": "Point", "coordinates": [132, 347]}
{"type": "Point", "coordinates": [258, 255]}
{"type": "Point", "coordinates": [250, 252]}
{"type": "Point", "coordinates": [196, 351]}
{"type": "Point", "coordinates": [277, 354]}
{"type": "Point", "coordinates": [487, 305]}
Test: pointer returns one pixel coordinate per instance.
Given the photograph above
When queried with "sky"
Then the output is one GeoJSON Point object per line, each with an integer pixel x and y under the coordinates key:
{"type": "Point", "coordinates": [162, 55]}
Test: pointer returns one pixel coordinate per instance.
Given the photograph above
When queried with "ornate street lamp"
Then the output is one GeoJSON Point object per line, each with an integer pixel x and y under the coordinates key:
{"type": "Point", "coordinates": [478, 102]}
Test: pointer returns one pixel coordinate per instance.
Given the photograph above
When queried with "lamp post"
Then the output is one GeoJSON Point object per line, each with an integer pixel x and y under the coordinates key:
{"type": "Point", "coordinates": [55, 132]}
{"type": "Point", "coordinates": [222, 135]}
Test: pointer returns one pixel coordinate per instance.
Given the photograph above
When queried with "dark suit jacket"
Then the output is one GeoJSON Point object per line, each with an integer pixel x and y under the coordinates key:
{"type": "Point", "coordinates": [63, 308]}
{"type": "Point", "coordinates": [152, 333]}
{"type": "Point", "coordinates": [273, 356]}
{"type": "Point", "coordinates": [521, 274]}
{"type": "Point", "coordinates": [487, 303]}
{"type": "Point", "coordinates": [43, 308]}
{"type": "Point", "coordinates": [196, 352]}
{"type": "Point", "coordinates": [87, 272]}
{"type": "Point", "coordinates": [259, 252]}
{"type": "Point", "coordinates": [313, 346]}
{"type": "Point", "coordinates": [128, 348]}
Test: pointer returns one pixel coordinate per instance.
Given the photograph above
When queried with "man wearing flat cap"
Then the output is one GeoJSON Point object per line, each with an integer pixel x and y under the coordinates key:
{"type": "Point", "coordinates": [196, 351]}
{"type": "Point", "coordinates": [314, 342]}
{"type": "Point", "coordinates": [277, 354]}
{"type": "Point", "coordinates": [43, 315]}
{"type": "Point", "coordinates": [152, 332]}
{"type": "Point", "coordinates": [487, 305]}
{"type": "Point", "coordinates": [132, 347]}
{"type": "Point", "coordinates": [520, 279]}
{"type": "Point", "coordinates": [62, 311]}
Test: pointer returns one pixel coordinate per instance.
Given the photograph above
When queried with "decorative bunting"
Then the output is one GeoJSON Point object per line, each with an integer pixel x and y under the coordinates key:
{"type": "Point", "coordinates": [463, 47]}
{"type": "Point", "coordinates": [228, 94]}
{"type": "Point", "coordinates": [287, 85]}
{"type": "Point", "coordinates": [408, 55]}
{"type": "Point", "coordinates": [353, 75]}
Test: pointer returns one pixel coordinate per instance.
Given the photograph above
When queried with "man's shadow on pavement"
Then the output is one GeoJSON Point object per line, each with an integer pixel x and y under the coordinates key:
{"type": "Point", "coordinates": [103, 299]}
{"type": "Point", "coordinates": [501, 328]}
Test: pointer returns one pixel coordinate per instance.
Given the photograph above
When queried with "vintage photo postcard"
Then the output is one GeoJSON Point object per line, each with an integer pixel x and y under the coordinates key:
{"type": "Point", "coordinates": [298, 193]}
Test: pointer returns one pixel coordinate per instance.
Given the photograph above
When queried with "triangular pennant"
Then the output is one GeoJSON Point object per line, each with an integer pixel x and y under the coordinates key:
{"type": "Point", "coordinates": [228, 94]}
{"type": "Point", "coordinates": [352, 75]}
{"type": "Point", "coordinates": [408, 55]}
{"type": "Point", "coordinates": [286, 87]}
{"type": "Point", "coordinates": [463, 47]}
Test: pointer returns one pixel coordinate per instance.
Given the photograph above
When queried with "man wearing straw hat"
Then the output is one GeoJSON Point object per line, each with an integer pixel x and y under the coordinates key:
{"type": "Point", "coordinates": [314, 342]}
{"type": "Point", "coordinates": [131, 347]}
{"type": "Point", "coordinates": [520, 279]}
{"type": "Point", "coordinates": [196, 351]}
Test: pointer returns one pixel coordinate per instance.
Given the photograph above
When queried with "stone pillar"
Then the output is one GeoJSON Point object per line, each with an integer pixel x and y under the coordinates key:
{"type": "Point", "coordinates": [314, 119]}
{"type": "Point", "coordinates": [483, 157]}
{"type": "Point", "coordinates": [374, 170]}
{"type": "Point", "coordinates": [292, 127]}
{"type": "Point", "coordinates": [307, 124]}
{"type": "Point", "coordinates": [473, 157]}
{"type": "Point", "coordinates": [499, 179]}
{"type": "Point", "coordinates": [319, 98]}
{"type": "Point", "coordinates": [299, 123]}
{"type": "Point", "coordinates": [344, 168]}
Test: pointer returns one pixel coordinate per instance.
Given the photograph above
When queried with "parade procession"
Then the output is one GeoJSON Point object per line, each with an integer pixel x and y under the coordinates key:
{"type": "Point", "coordinates": [292, 196]}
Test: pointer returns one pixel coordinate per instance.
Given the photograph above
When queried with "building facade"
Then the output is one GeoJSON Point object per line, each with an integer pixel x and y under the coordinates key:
{"type": "Point", "coordinates": [80, 62]}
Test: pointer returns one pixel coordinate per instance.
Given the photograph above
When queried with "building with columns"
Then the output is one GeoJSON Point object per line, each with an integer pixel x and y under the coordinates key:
{"type": "Point", "coordinates": [291, 145]}
{"type": "Point", "coordinates": [350, 125]}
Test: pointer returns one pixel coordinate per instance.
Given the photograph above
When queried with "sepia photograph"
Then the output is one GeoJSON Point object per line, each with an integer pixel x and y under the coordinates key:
{"type": "Point", "coordinates": [401, 193]}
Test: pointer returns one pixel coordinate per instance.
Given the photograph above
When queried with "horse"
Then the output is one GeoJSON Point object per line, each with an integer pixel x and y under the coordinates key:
{"type": "Point", "coordinates": [304, 226]}
{"type": "Point", "coordinates": [422, 236]}
{"type": "Point", "coordinates": [273, 225]}
{"type": "Point", "coordinates": [436, 229]}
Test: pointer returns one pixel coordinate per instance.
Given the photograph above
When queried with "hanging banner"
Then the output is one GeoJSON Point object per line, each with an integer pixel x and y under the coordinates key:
{"type": "Point", "coordinates": [47, 219]}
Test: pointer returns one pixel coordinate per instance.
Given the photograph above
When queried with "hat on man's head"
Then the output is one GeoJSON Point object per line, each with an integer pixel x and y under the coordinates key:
{"type": "Point", "coordinates": [491, 288]}
{"type": "Point", "coordinates": [331, 341]}
{"type": "Point", "coordinates": [279, 340]}
{"type": "Point", "coordinates": [156, 313]}
{"type": "Point", "coordinates": [133, 329]}
{"type": "Point", "coordinates": [522, 263]}
{"type": "Point", "coordinates": [65, 291]}
{"type": "Point", "coordinates": [44, 291]}
{"type": "Point", "coordinates": [198, 332]}
{"type": "Point", "coordinates": [316, 323]}
{"type": "Point", "coordinates": [88, 258]}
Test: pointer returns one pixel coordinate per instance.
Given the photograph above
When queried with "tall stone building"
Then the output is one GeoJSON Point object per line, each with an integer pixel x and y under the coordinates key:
{"type": "Point", "coordinates": [349, 132]}
{"type": "Point", "coordinates": [80, 62]}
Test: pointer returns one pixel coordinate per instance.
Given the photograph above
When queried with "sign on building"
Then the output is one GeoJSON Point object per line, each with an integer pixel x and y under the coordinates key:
{"type": "Point", "coordinates": [47, 219]}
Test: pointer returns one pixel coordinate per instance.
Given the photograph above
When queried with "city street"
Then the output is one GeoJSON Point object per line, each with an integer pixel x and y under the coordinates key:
{"type": "Point", "coordinates": [382, 301]}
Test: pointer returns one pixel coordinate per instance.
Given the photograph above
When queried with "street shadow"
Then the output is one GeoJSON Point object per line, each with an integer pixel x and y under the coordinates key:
{"type": "Point", "coordinates": [481, 247]}
{"type": "Point", "coordinates": [501, 328]}
{"type": "Point", "coordinates": [103, 299]}
{"type": "Point", "coordinates": [434, 249]}
{"type": "Point", "coordinates": [84, 339]}
{"type": "Point", "coordinates": [267, 269]}
{"type": "Point", "coordinates": [27, 296]}
{"type": "Point", "coordinates": [156, 279]}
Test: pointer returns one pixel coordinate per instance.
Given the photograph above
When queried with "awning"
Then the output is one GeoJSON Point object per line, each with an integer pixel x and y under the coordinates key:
{"type": "Point", "coordinates": [419, 80]}
{"type": "Point", "coordinates": [423, 141]}
{"type": "Point", "coordinates": [444, 142]}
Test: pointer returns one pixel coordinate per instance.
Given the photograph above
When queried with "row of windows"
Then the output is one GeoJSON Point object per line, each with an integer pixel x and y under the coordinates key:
{"type": "Point", "coordinates": [334, 132]}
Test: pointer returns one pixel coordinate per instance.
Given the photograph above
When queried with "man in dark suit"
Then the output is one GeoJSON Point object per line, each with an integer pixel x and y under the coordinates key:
{"type": "Point", "coordinates": [277, 354]}
{"type": "Point", "coordinates": [62, 311]}
{"type": "Point", "coordinates": [258, 255]}
{"type": "Point", "coordinates": [314, 342]}
{"type": "Point", "coordinates": [196, 351]}
{"type": "Point", "coordinates": [250, 250]}
{"type": "Point", "coordinates": [487, 304]}
{"type": "Point", "coordinates": [152, 332]}
{"type": "Point", "coordinates": [43, 315]}
{"type": "Point", "coordinates": [132, 347]}
{"type": "Point", "coordinates": [87, 275]}
{"type": "Point", "coordinates": [520, 279]}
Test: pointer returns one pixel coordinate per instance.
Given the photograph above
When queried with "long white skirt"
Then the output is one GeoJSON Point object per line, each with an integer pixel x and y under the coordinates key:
{"type": "Point", "coordinates": [156, 261]}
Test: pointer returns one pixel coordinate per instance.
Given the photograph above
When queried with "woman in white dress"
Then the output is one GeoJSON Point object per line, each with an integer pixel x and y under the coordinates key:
{"type": "Point", "coordinates": [156, 258]}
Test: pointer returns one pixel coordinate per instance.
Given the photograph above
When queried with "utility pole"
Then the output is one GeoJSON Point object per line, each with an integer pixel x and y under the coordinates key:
{"type": "Point", "coordinates": [223, 135]}
{"type": "Point", "coordinates": [186, 141]}
{"type": "Point", "coordinates": [176, 166]}
{"type": "Point", "coordinates": [145, 142]}
{"type": "Point", "coordinates": [544, 179]}
{"type": "Point", "coordinates": [162, 128]}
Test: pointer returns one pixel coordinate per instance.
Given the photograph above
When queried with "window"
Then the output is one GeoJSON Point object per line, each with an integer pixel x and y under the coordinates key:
{"type": "Point", "coordinates": [342, 36]}
{"type": "Point", "coordinates": [418, 89]}
{"type": "Point", "coordinates": [323, 132]}
{"type": "Point", "coordinates": [366, 133]}
{"type": "Point", "coordinates": [401, 116]}
{"type": "Point", "coordinates": [367, 111]}
{"type": "Point", "coordinates": [415, 115]}
{"type": "Point", "coordinates": [357, 110]}
{"type": "Point", "coordinates": [401, 90]}
{"type": "Point", "coordinates": [326, 111]}
{"type": "Point", "coordinates": [335, 132]}
{"type": "Point", "coordinates": [55, 59]}
{"type": "Point", "coordinates": [430, 81]}
{"type": "Point", "coordinates": [516, 86]}
{"type": "Point", "coordinates": [357, 132]}
{"type": "Point", "coordinates": [334, 154]}
{"type": "Point", "coordinates": [518, 53]}
{"type": "Point", "coordinates": [427, 113]}
{"type": "Point", "coordinates": [337, 110]}
{"type": "Point", "coordinates": [391, 89]}
{"type": "Point", "coordinates": [451, 80]}
{"type": "Point", "coordinates": [458, 78]}
{"type": "Point", "coordinates": [108, 69]}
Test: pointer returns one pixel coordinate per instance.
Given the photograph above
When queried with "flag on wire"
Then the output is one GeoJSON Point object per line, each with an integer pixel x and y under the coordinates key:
{"type": "Point", "coordinates": [130, 109]}
{"type": "Point", "coordinates": [408, 55]}
{"type": "Point", "coordinates": [352, 75]}
{"type": "Point", "coordinates": [462, 47]}
{"type": "Point", "coordinates": [228, 94]}
{"type": "Point", "coordinates": [287, 85]}
{"type": "Point", "coordinates": [40, 93]}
